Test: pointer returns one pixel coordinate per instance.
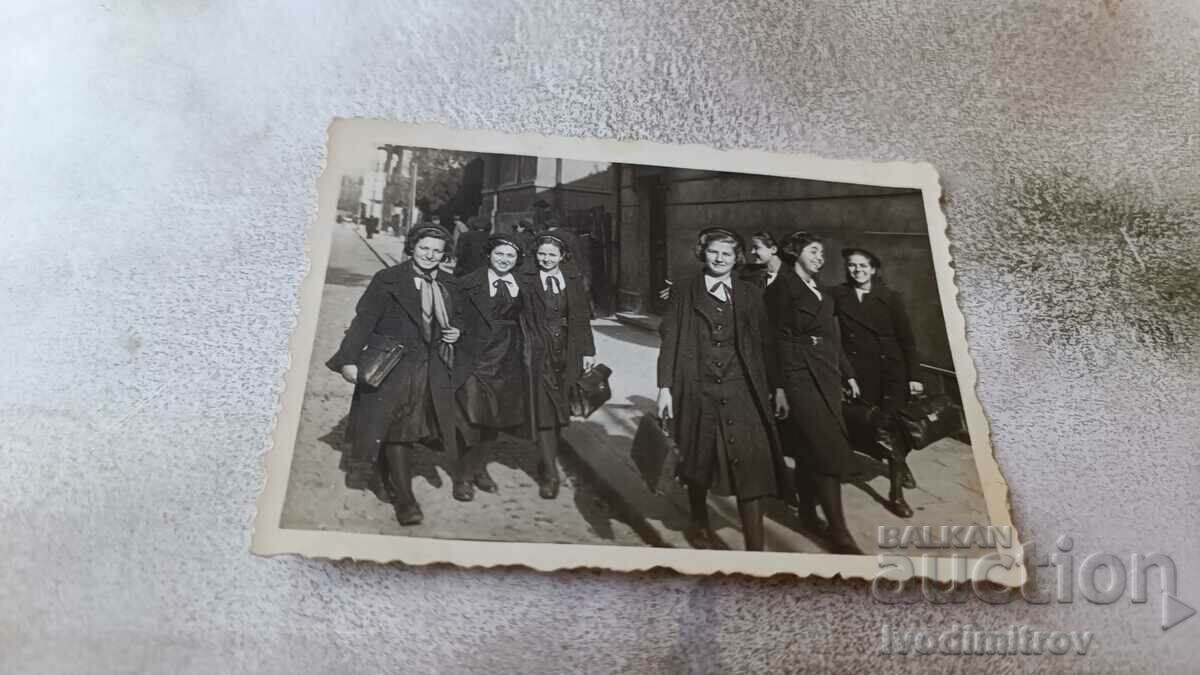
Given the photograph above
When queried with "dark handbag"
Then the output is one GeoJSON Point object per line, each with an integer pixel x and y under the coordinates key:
{"type": "Point", "coordinates": [867, 425]}
{"type": "Point", "coordinates": [928, 419]}
{"type": "Point", "coordinates": [378, 357]}
{"type": "Point", "coordinates": [590, 391]}
{"type": "Point", "coordinates": [655, 454]}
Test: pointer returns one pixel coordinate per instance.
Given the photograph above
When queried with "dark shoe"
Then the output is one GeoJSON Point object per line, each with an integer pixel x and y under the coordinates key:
{"type": "Point", "coordinates": [703, 537]}
{"type": "Point", "coordinates": [548, 488]}
{"type": "Point", "coordinates": [840, 542]}
{"type": "Point", "coordinates": [409, 513]}
{"type": "Point", "coordinates": [900, 507]}
{"type": "Point", "coordinates": [463, 491]}
{"type": "Point", "coordinates": [811, 523]}
{"type": "Point", "coordinates": [547, 482]}
{"type": "Point", "coordinates": [907, 479]}
{"type": "Point", "coordinates": [484, 482]}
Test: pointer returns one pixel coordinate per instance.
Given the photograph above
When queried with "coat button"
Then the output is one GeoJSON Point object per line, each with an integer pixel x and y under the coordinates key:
{"type": "Point", "coordinates": [720, 309]}
{"type": "Point", "coordinates": [717, 364]}
{"type": "Point", "coordinates": [732, 441]}
{"type": "Point", "coordinates": [718, 380]}
{"type": "Point", "coordinates": [720, 326]}
{"type": "Point", "coordinates": [724, 401]}
{"type": "Point", "coordinates": [729, 422]}
{"type": "Point", "coordinates": [735, 461]}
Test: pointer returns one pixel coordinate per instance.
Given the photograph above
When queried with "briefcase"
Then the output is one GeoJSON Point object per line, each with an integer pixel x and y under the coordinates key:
{"type": "Point", "coordinates": [928, 419]}
{"type": "Point", "coordinates": [655, 454]}
{"type": "Point", "coordinates": [378, 357]}
{"type": "Point", "coordinates": [590, 391]}
{"type": "Point", "coordinates": [867, 426]}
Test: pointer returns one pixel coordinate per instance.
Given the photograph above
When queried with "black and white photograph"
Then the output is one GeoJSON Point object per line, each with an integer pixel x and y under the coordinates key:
{"type": "Point", "coordinates": [631, 355]}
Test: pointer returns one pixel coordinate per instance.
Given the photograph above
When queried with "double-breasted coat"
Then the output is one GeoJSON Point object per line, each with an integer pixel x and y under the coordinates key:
{"type": "Point", "coordinates": [563, 331]}
{"type": "Point", "coordinates": [878, 339]}
{"type": "Point", "coordinates": [813, 367]}
{"type": "Point", "coordinates": [755, 466]}
{"type": "Point", "coordinates": [415, 402]}
{"type": "Point", "coordinates": [496, 360]}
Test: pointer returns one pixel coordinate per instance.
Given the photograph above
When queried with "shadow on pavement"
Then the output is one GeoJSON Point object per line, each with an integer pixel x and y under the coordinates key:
{"type": "Point", "coordinates": [632, 334]}
{"type": "Point", "coordinates": [344, 277]}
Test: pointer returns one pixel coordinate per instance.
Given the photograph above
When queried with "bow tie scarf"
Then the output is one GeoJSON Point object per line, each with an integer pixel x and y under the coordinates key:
{"type": "Point", "coordinates": [721, 291]}
{"type": "Point", "coordinates": [501, 287]}
{"type": "Point", "coordinates": [552, 285]}
{"type": "Point", "coordinates": [433, 307]}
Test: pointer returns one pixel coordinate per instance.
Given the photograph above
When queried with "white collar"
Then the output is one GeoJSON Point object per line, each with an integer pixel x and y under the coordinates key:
{"type": "Point", "coordinates": [557, 274]}
{"type": "Point", "coordinates": [726, 281]}
{"type": "Point", "coordinates": [513, 289]}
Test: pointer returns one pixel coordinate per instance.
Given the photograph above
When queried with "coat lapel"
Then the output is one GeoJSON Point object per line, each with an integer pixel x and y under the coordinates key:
{"type": "Point", "coordinates": [404, 290]}
{"type": "Point", "coordinates": [476, 290]}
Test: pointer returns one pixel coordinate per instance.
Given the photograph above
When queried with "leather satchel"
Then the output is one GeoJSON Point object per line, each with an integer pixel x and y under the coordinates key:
{"type": "Point", "coordinates": [655, 454]}
{"type": "Point", "coordinates": [928, 419]}
{"type": "Point", "coordinates": [867, 426]}
{"type": "Point", "coordinates": [590, 391]}
{"type": "Point", "coordinates": [377, 359]}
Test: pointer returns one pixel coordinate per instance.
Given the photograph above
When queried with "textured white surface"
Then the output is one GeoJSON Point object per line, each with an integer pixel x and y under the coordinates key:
{"type": "Point", "coordinates": [159, 163]}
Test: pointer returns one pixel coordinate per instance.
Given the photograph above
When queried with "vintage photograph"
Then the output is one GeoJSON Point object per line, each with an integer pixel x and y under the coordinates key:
{"type": "Point", "coordinates": [581, 353]}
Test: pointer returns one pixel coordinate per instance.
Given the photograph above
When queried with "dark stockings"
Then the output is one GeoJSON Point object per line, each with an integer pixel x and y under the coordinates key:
{"type": "Point", "coordinates": [548, 481]}
{"type": "Point", "coordinates": [750, 511]}
{"type": "Point", "coordinates": [829, 492]}
{"type": "Point", "coordinates": [399, 484]}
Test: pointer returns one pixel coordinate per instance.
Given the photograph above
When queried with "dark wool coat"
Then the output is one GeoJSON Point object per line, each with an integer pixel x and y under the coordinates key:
{"type": "Point", "coordinates": [813, 367]}
{"type": "Point", "coordinates": [580, 341]}
{"type": "Point", "coordinates": [479, 331]}
{"type": "Point", "coordinates": [391, 306]}
{"type": "Point", "coordinates": [679, 369]}
{"type": "Point", "coordinates": [471, 252]}
{"type": "Point", "coordinates": [878, 340]}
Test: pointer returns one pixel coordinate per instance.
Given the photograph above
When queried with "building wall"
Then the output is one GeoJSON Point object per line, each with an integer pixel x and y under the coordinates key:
{"type": "Point", "coordinates": [889, 222]}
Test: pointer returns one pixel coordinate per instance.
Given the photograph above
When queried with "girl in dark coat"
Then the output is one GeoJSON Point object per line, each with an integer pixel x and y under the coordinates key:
{"type": "Point", "coordinates": [492, 374]}
{"type": "Point", "coordinates": [714, 388]}
{"type": "Point", "coordinates": [878, 340]}
{"type": "Point", "coordinates": [561, 316]}
{"type": "Point", "coordinates": [814, 368]}
{"type": "Point", "coordinates": [415, 304]}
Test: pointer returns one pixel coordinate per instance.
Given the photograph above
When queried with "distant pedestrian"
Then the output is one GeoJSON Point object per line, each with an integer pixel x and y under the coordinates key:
{"type": "Point", "coordinates": [458, 228]}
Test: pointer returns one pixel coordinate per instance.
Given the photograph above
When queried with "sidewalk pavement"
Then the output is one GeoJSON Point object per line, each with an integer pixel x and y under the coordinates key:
{"type": "Point", "coordinates": [318, 499]}
{"type": "Point", "coordinates": [605, 499]}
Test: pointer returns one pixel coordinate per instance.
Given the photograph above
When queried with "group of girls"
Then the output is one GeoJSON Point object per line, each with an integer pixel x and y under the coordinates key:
{"type": "Point", "coordinates": [756, 361]}
{"type": "Point", "coordinates": [495, 350]}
